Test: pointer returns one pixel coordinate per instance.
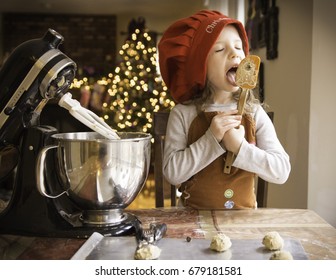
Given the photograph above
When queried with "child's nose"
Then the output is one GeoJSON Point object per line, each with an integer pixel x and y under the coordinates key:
{"type": "Point", "coordinates": [234, 53]}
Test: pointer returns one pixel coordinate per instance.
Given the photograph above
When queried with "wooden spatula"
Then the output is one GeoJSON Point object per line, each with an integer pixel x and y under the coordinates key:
{"type": "Point", "coordinates": [246, 79]}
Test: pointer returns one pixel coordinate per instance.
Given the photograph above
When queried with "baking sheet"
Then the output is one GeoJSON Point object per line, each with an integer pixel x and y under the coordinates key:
{"type": "Point", "coordinates": [98, 247]}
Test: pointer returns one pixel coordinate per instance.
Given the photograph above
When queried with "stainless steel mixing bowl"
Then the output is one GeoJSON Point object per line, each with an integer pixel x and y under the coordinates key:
{"type": "Point", "coordinates": [99, 175]}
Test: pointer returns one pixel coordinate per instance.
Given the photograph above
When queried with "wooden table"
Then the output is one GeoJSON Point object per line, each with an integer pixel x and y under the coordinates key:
{"type": "Point", "coordinates": [317, 237]}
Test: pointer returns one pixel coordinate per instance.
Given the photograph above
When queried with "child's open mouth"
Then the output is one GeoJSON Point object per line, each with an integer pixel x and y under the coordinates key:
{"type": "Point", "coordinates": [231, 75]}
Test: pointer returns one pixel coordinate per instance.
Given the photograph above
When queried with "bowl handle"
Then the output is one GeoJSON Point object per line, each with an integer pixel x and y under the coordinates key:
{"type": "Point", "coordinates": [40, 172]}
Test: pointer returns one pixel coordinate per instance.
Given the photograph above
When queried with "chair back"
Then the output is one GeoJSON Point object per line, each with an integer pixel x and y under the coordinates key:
{"type": "Point", "coordinates": [161, 184]}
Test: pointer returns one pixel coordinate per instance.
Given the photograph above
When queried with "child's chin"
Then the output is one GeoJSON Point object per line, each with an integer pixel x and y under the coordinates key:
{"type": "Point", "coordinates": [234, 88]}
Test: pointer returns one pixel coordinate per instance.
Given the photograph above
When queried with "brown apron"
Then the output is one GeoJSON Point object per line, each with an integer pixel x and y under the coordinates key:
{"type": "Point", "coordinates": [211, 188]}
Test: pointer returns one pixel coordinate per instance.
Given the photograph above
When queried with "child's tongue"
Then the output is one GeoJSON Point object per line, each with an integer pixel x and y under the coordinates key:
{"type": "Point", "coordinates": [231, 76]}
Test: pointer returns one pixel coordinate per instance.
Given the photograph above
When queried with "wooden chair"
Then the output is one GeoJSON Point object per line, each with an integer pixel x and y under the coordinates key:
{"type": "Point", "coordinates": [262, 185]}
{"type": "Point", "coordinates": [161, 184]}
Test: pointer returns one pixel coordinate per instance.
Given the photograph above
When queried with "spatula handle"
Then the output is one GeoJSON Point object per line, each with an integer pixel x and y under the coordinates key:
{"type": "Point", "coordinates": [229, 155]}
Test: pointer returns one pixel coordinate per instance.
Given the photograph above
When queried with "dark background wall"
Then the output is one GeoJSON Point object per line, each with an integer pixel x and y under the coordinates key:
{"type": "Point", "coordinates": [89, 40]}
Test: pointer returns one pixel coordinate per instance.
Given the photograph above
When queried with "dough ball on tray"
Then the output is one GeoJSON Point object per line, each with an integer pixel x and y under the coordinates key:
{"type": "Point", "coordinates": [147, 252]}
{"type": "Point", "coordinates": [220, 243]}
{"type": "Point", "coordinates": [273, 241]}
{"type": "Point", "coordinates": [281, 255]}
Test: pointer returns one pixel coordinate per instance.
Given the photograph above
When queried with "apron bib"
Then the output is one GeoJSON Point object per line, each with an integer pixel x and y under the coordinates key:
{"type": "Point", "coordinates": [211, 188]}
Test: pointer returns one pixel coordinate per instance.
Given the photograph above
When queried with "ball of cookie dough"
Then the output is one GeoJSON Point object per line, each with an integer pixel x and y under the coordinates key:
{"type": "Point", "coordinates": [273, 241]}
{"type": "Point", "coordinates": [220, 243]}
{"type": "Point", "coordinates": [281, 255]}
{"type": "Point", "coordinates": [147, 252]}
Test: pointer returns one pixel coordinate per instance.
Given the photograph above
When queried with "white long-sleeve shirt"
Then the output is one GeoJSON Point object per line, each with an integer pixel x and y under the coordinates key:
{"type": "Point", "coordinates": [267, 158]}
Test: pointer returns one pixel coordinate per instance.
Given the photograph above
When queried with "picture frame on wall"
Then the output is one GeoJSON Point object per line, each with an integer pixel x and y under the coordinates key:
{"type": "Point", "coordinates": [262, 26]}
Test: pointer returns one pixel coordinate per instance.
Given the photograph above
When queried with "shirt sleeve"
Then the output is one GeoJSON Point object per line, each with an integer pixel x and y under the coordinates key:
{"type": "Point", "coordinates": [180, 161]}
{"type": "Point", "coordinates": [267, 158]}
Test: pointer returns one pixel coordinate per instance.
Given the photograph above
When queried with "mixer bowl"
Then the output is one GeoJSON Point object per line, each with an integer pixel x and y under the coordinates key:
{"type": "Point", "coordinates": [101, 174]}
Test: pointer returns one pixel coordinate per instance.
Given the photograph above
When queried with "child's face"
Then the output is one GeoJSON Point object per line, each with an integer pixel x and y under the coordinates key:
{"type": "Point", "coordinates": [223, 59]}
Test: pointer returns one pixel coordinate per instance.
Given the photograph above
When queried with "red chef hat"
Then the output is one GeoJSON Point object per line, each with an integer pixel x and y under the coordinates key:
{"type": "Point", "coordinates": [184, 48]}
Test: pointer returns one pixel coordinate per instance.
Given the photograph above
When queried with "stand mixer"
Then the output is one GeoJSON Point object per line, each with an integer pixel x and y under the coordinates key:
{"type": "Point", "coordinates": [63, 184]}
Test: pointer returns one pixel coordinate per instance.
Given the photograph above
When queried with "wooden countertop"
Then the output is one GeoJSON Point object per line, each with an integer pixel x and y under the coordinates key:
{"type": "Point", "coordinates": [317, 237]}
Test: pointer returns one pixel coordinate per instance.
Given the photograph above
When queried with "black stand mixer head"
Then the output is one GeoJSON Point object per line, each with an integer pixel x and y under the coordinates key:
{"type": "Point", "coordinates": [36, 72]}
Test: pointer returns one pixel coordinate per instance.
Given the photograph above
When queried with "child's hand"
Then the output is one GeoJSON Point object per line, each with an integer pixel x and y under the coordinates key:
{"type": "Point", "coordinates": [233, 138]}
{"type": "Point", "coordinates": [223, 122]}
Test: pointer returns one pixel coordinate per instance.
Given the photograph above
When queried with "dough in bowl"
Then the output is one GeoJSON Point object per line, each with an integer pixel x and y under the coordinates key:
{"type": "Point", "coordinates": [220, 242]}
{"type": "Point", "coordinates": [273, 241]}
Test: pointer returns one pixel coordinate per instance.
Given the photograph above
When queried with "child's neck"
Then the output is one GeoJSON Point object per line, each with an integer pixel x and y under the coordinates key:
{"type": "Point", "coordinates": [222, 98]}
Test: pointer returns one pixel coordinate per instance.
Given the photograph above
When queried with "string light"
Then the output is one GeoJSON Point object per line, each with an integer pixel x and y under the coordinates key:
{"type": "Point", "coordinates": [134, 89]}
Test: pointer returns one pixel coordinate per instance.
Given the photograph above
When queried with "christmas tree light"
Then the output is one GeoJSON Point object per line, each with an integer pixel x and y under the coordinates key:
{"type": "Point", "coordinates": [136, 90]}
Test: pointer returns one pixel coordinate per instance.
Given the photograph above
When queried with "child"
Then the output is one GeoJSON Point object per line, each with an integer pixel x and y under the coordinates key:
{"type": "Point", "coordinates": [198, 57]}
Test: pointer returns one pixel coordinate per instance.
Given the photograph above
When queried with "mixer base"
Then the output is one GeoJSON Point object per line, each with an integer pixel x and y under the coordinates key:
{"type": "Point", "coordinates": [128, 226]}
{"type": "Point", "coordinates": [103, 217]}
{"type": "Point", "coordinates": [61, 229]}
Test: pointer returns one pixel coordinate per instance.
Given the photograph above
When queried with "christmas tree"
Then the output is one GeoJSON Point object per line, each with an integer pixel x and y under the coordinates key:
{"type": "Point", "coordinates": [137, 89]}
